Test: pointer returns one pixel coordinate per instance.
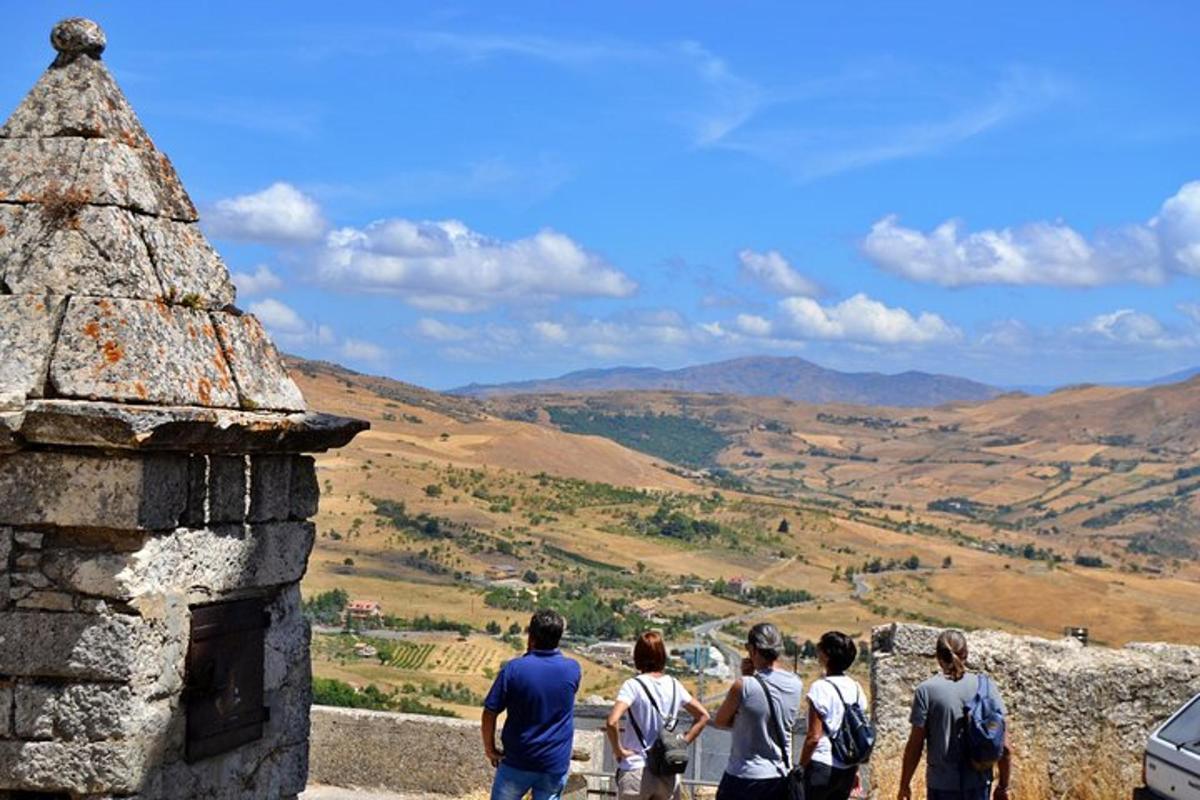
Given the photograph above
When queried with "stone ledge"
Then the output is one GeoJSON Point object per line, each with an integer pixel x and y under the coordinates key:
{"type": "Point", "coordinates": [87, 423]}
{"type": "Point", "coordinates": [79, 768]}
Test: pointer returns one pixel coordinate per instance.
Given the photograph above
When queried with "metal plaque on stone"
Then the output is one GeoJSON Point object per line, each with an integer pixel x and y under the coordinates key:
{"type": "Point", "coordinates": [224, 679]}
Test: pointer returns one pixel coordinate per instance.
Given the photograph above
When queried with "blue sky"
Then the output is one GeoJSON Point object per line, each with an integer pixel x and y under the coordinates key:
{"type": "Point", "coordinates": [449, 193]}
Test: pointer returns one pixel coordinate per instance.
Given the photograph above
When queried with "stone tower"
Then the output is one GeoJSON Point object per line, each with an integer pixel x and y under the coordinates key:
{"type": "Point", "coordinates": [154, 499]}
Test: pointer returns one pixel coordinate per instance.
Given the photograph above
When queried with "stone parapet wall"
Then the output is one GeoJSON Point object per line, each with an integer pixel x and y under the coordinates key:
{"type": "Point", "coordinates": [1072, 708]}
{"type": "Point", "coordinates": [405, 753]}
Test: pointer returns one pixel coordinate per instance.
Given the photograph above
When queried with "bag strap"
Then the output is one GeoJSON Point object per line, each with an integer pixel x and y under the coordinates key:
{"type": "Point", "coordinates": [638, 731]}
{"type": "Point", "coordinates": [776, 728]}
{"type": "Point", "coordinates": [650, 697]}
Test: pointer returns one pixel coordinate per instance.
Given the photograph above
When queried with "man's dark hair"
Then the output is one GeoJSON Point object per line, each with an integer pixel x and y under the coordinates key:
{"type": "Point", "coordinates": [546, 629]}
{"type": "Point", "coordinates": [840, 651]}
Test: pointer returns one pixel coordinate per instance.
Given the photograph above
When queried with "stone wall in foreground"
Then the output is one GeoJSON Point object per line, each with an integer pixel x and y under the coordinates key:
{"type": "Point", "coordinates": [412, 753]}
{"type": "Point", "coordinates": [1073, 709]}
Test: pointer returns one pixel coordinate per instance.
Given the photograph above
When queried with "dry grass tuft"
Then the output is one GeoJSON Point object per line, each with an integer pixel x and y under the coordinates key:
{"type": "Point", "coordinates": [60, 207]}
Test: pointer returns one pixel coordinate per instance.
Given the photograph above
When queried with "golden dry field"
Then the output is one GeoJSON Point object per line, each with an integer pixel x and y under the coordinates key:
{"type": "Point", "coordinates": [1024, 514]}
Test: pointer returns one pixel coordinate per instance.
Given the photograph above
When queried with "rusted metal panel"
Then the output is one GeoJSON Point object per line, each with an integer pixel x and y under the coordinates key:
{"type": "Point", "coordinates": [224, 680]}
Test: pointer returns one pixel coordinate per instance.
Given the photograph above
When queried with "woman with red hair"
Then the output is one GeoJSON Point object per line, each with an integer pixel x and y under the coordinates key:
{"type": "Point", "coordinates": [653, 699]}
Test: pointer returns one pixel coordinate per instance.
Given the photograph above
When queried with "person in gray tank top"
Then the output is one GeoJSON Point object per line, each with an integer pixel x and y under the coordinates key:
{"type": "Point", "coordinates": [757, 766]}
{"type": "Point", "coordinates": [937, 719]}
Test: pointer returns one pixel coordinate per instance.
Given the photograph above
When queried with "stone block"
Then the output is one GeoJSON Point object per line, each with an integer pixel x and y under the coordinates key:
{"type": "Point", "coordinates": [30, 540]}
{"type": "Point", "coordinates": [76, 99]}
{"type": "Point", "coordinates": [6, 543]}
{"type": "Point", "coordinates": [140, 351]}
{"type": "Point", "coordinates": [286, 655]}
{"type": "Point", "coordinates": [92, 250]}
{"type": "Point", "coordinates": [113, 173]}
{"type": "Point", "coordinates": [81, 769]}
{"type": "Point", "coordinates": [195, 515]}
{"type": "Point", "coordinates": [69, 645]}
{"type": "Point", "coordinates": [226, 489]}
{"type": "Point", "coordinates": [262, 380]}
{"type": "Point", "coordinates": [6, 704]}
{"type": "Point", "coordinates": [91, 712]}
{"type": "Point", "coordinates": [188, 267]}
{"type": "Point", "coordinates": [270, 488]}
{"type": "Point", "coordinates": [34, 580]}
{"type": "Point", "coordinates": [306, 492]}
{"type": "Point", "coordinates": [32, 168]}
{"type": "Point", "coordinates": [194, 564]}
{"type": "Point", "coordinates": [27, 326]}
{"type": "Point", "coordinates": [92, 491]}
{"type": "Point", "coordinates": [48, 601]}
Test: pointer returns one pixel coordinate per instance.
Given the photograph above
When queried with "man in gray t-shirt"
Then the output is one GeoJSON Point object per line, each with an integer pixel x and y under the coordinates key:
{"type": "Point", "coordinates": [938, 712]}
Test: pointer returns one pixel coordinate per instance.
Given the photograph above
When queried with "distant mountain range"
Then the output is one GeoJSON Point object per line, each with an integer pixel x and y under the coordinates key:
{"type": "Point", "coordinates": [792, 378]}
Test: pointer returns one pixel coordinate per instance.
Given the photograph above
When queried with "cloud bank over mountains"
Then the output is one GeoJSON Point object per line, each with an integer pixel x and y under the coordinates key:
{"type": "Point", "coordinates": [521, 297]}
{"type": "Point", "coordinates": [1045, 253]}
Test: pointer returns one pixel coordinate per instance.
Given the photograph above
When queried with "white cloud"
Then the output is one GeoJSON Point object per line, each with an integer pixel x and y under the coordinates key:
{"type": "Point", "coordinates": [772, 270]}
{"type": "Point", "coordinates": [279, 214]}
{"type": "Point", "coordinates": [864, 320]}
{"type": "Point", "coordinates": [753, 325]}
{"type": "Point", "coordinates": [359, 350]}
{"type": "Point", "coordinates": [278, 317]}
{"type": "Point", "coordinates": [1131, 328]}
{"type": "Point", "coordinates": [442, 331]}
{"type": "Point", "coordinates": [291, 331]}
{"type": "Point", "coordinates": [261, 281]}
{"type": "Point", "coordinates": [1050, 253]}
{"type": "Point", "coordinates": [1191, 311]}
{"type": "Point", "coordinates": [447, 266]}
{"type": "Point", "coordinates": [551, 332]}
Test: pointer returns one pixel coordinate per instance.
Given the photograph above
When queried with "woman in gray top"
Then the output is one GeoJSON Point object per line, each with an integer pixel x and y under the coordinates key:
{"type": "Point", "coordinates": [758, 766]}
{"type": "Point", "coordinates": [937, 726]}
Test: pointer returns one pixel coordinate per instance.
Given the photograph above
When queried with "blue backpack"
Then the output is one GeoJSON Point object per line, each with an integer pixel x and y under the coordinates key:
{"type": "Point", "coordinates": [854, 740]}
{"type": "Point", "coordinates": [984, 727]}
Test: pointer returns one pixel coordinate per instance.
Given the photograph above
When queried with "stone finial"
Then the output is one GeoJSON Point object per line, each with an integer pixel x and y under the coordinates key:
{"type": "Point", "coordinates": [78, 36]}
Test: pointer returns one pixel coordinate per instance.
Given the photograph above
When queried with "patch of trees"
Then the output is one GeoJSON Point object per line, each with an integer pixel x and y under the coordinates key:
{"type": "Point", "coordinates": [877, 423]}
{"type": "Point", "coordinates": [425, 623]}
{"type": "Point", "coordinates": [327, 608]}
{"type": "Point", "coordinates": [1094, 562]}
{"type": "Point", "coordinates": [958, 505]}
{"type": "Point", "coordinates": [769, 596]}
{"type": "Point", "coordinates": [1119, 514]}
{"type": "Point", "coordinates": [679, 439]}
{"type": "Point", "coordinates": [332, 692]}
{"type": "Point", "coordinates": [1161, 544]}
{"type": "Point", "coordinates": [422, 524]}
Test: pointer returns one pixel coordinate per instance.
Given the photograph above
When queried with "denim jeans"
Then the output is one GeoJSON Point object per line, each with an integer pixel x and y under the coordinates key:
{"type": "Point", "coordinates": [511, 783]}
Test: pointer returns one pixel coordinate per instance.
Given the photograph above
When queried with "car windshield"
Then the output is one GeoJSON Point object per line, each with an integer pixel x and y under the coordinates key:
{"type": "Point", "coordinates": [1184, 730]}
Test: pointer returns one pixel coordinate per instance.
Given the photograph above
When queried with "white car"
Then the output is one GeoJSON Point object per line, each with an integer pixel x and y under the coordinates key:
{"type": "Point", "coordinates": [1172, 762]}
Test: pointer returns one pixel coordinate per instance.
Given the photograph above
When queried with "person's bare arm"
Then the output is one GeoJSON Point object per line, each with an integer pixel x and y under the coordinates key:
{"type": "Point", "coordinates": [729, 707]}
{"type": "Point", "coordinates": [487, 726]}
{"type": "Point", "coordinates": [1005, 769]}
{"type": "Point", "coordinates": [612, 729]}
{"type": "Point", "coordinates": [816, 729]}
{"type": "Point", "coordinates": [913, 751]}
{"type": "Point", "coordinates": [699, 719]}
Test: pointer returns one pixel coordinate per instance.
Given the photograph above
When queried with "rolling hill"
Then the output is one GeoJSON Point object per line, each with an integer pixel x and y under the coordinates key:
{"type": "Point", "coordinates": [791, 378]}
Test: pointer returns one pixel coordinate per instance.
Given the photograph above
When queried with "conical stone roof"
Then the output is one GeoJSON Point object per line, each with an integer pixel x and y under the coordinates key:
{"type": "Point", "coordinates": [109, 292]}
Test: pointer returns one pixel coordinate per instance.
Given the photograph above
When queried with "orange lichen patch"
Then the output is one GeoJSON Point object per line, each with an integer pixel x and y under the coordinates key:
{"type": "Point", "coordinates": [204, 390]}
{"type": "Point", "coordinates": [92, 330]}
{"type": "Point", "coordinates": [139, 389]}
{"type": "Point", "coordinates": [113, 352]}
{"type": "Point", "coordinates": [191, 331]}
{"type": "Point", "coordinates": [104, 306]}
{"type": "Point", "coordinates": [163, 308]}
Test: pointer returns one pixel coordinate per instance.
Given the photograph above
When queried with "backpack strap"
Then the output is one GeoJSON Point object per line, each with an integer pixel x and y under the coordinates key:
{"type": "Point", "coordinates": [778, 735]}
{"type": "Point", "coordinates": [637, 729]}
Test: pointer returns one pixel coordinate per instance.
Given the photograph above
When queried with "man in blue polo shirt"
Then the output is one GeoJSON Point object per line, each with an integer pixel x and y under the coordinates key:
{"type": "Point", "coordinates": [538, 692]}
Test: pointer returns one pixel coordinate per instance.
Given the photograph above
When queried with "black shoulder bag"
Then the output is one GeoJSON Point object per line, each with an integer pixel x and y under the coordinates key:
{"type": "Point", "coordinates": [792, 785]}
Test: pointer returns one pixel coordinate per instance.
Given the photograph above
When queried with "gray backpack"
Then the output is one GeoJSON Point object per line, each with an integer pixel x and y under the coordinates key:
{"type": "Point", "coordinates": [669, 753]}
